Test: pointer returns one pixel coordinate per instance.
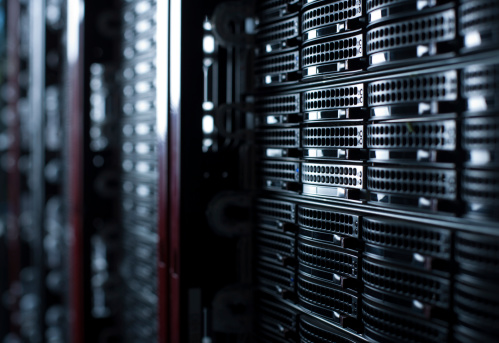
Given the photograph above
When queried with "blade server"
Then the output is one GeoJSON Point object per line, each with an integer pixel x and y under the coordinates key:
{"type": "Point", "coordinates": [376, 169]}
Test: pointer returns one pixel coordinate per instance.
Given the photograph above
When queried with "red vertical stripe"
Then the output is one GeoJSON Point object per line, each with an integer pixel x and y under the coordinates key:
{"type": "Point", "coordinates": [75, 116]}
{"type": "Point", "coordinates": [168, 119]}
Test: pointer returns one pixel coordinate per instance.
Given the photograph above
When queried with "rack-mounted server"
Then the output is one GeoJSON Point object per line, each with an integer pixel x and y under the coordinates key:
{"type": "Point", "coordinates": [389, 162]}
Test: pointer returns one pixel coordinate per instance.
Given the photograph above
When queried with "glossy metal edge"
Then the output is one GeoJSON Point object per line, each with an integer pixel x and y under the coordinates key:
{"type": "Point", "coordinates": [74, 116]}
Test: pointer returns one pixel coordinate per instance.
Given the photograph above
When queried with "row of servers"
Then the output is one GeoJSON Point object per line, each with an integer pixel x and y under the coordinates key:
{"type": "Point", "coordinates": [375, 136]}
{"type": "Point", "coordinates": [414, 161]}
{"type": "Point", "coordinates": [386, 279]}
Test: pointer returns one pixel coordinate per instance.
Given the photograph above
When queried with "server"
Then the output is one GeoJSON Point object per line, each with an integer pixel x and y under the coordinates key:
{"type": "Point", "coordinates": [376, 164]}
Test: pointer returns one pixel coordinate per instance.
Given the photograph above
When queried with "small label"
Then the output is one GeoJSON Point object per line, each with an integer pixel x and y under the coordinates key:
{"type": "Point", "coordinates": [477, 103]}
{"type": "Point", "coordinates": [424, 108]}
{"type": "Point", "coordinates": [423, 155]}
{"type": "Point", "coordinates": [382, 155]}
{"type": "Point", "coordinates": [423, 50]}
{"type": "Point", "coordinates": [378, 58]}
{"type": "Point", "coordinates": [424, 202]}
{"type": "Point", "coordinates": [480, 157]}
{"type": "Point", "coordinates": [472, 39]}
{"type": "Point", "coordinates": [313, 115]}
{"type": "Point", "coordinates": [311, 34]}
{"type": "Point", "coordinates": [274, 153]}
{"type": "Point", "coordinates": [375, 16]}
{"type": "Point", "coordinates": [381, 111]}
{"type": "Point", "coordinates": [311, 71]}
{"type": "Point", "coordinates": [422, 4]}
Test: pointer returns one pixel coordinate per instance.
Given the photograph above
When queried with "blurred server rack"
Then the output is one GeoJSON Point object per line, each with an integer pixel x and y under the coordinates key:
{"type": "Point", "coordinates": [92, 152]}
{"type": "Point", "coordinates": [47, 167]}
{"type": "Point", "coordinates": [474, 304]}
{"type": "Point", "coordinates": [37, 248]}
{"type": "Point", "coordinates": [4, 150]}
{"type": "Point", "coordinates": [139, 172]}
{"type": "Point", "coordinates": [24, 245]}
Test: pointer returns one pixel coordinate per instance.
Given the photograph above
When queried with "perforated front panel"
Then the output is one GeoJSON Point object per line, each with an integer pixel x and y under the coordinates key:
{"type": "Point", "coordinates": [481, 133]}
{"type": "Point", "coordinates": [279, 31]}
{"type": "Point", "coordinates": [328, 221]}
{"type": "Point", "coordinates": [278, 104]}
{"type": "Point", "coordinates": [480, 187]}
{"type": "Point", "coordinates": [328, 259]}
{"type": "Point", "coordinates": [275, 279]}
{"type": "Point", "coordinates": [333, 175]}
{"type": "Point", "coordinates": [282, 138]}
{"type": "Point", "coordinates": [415, 182]}
{"type": "Point", "coordinates": [407, 237]}
{"type": "Point", "coordinates": [278, 64]}
{"type": "Point", "coordinates": [276, 209]}
{"type": "Point", "coordinates": [397, 326]}
{"type": "Point", "coordinates": [405, 283]}
{"type": "Point", "coordinates": [478, 23]}
{"type": "Point", "coordinates": [479, 87]}
{"type": "Point", "coordinates": [336, 12]}
{"type": "Point", "coordinates": [439, 135]}
{"type": "Point", "coordinates": [312, 332]}
{"type": "Point", "coordinates": [277, 244]}
{"type": "Point", "coordinates": [438, 27]}
{"type": "Point", "coordinates": [477, 305]}
{"type": "Point", "coordinates": [432, 87]}
{"type": "Point", "coordinates": [331, 98]}
{"type": "Point", "coordinates": [266, 5]}
{"type": "Point", "coordinates": [322, 299]}
{"type": "Point", "coordinates": [372, 5]}
{"type": "Point", "coordinates": [274, 318]}
{"type": "Point", "coordinates": [335, 50]}
{"type": "Point", "coordinates": [285, 171]}
{"type": "Point", "coordinates": [271, 10]}
{"type": "Point", "coordinates": [385, 10]}
{"type": "Point", "coordinates": [417, 37]}
{"type": "Point", "coordinates": [333, 137]}
{"type": "Point", "coordinates": [477, 251]}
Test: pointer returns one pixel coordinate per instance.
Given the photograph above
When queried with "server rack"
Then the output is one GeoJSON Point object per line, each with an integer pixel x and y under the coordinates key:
{"type": "Point", "coordinates": [36, 238]}
{"type": "Point", "coordinates": [4, 281]}
{"type": "Point", "coordinates": [368, 169]}
{"type": "Point", "coordinates": [274, 171]}
{"type": "Point", "coordinates": [93, 151]}
{"type": "Point", "coordinates": [140, 171]}
{"type": "Point", "coordinates": [23, 281]}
